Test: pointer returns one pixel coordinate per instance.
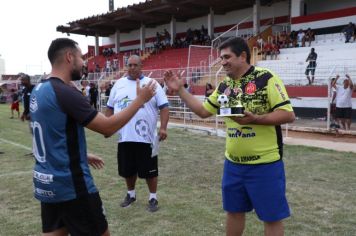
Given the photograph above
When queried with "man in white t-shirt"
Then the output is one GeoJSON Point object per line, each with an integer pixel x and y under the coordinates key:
{"type": "Point", "coordinates": [138, 140]}
{"type": "Point", "coordinates": [343, 102]}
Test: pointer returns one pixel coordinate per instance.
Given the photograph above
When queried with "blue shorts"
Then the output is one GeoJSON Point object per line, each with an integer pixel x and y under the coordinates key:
{"type": "Point", "coordinates": [261, 187]}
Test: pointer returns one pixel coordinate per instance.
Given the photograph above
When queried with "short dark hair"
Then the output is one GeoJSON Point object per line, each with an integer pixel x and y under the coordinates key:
{"type": "Point", "coordinates": [237, 46]}
{"type": "Point", "coordinates": [57, 46]}
{"type": "Point", "coordinates": [24, 76]}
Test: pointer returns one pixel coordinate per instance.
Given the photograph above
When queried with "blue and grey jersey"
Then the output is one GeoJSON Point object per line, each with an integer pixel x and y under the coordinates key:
{"type": "Point", "coordinates": [59, 114]}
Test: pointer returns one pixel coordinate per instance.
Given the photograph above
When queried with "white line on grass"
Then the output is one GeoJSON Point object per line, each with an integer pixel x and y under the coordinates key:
{"type": "Point", "coordinates": [16, 144]}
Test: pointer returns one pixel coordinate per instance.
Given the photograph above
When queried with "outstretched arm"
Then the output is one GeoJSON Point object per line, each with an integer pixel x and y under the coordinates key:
{"type": "Point", "coordinates": [109, 125]}
{"type": "Point", "coordinates": [351, 85]}
{"type": "Point", "coordinates": [175, 83]}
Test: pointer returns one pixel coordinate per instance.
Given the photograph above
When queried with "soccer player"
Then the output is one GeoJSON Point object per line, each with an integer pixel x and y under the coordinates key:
{"type": "Point", "coordinates": [253, 176]}
{"type": "Point", "coordinates": [70, 201]}
{"type": "Point", "coordinates": [138, 141]}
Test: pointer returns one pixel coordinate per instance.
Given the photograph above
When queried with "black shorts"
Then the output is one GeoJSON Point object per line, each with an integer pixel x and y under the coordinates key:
{"type": "Point", "coordinates": [135, 158]}
{"type": "Point", "coordinates": [82, 216]}
{"type": "Point", "coordinates": [343, 112]}
{"type": "Point", "coordinates": [311, 70]}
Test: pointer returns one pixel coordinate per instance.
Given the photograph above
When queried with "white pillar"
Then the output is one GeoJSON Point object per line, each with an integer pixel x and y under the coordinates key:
{"type": "Point", "coordinates": [256, 17]}
{"type": "Point", "coordinates": [96, 45]}
{"type": "Point", "coordinates": [211, 24]}
{"type": "Point", "coordinates": [142, 37]}
{"type": "Point", "coordinates": [173, 29]}
{"type": "Point", "coordinates": [117, 41]}
{"type": "Point", "coordinates": [297, 7]}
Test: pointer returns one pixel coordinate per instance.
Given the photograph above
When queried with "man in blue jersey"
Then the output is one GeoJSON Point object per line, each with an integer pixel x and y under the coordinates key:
{"type": "Point", "coordinates": [70, 201]}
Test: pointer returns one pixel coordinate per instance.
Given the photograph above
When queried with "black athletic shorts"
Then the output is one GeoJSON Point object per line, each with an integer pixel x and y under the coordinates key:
{"type": "Point", "coordinates": [81, 216]}
{"type": "Point", "coordinates": [311, 70]}
{"type": "Point", "coordinates": [343, 112]}
{"type": "Point", "coordinates": [136, 158]}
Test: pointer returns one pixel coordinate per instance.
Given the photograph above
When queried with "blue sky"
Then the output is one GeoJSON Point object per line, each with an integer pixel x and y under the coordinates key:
{"type": "Point", "coordinates": [28, 26]}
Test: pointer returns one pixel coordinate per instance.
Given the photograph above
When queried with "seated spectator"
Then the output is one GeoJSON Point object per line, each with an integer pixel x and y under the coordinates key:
{"type": "Point", "coordinates": [267, 49]}
{"type": "Point", "coordinates": [300, 37]}
{"type": "Point", "coordinates": [283, 40]}
{"type": "Point", "coordinates": [167, 38]}
{"type": "Point", "coordinates": [274, 51]}
{"type": "Point", "coordinates": [309, 36]}
{"type": "Point", "coordinates": [293, 38]}
{"type": "Point", "coordinates": [348, 31]}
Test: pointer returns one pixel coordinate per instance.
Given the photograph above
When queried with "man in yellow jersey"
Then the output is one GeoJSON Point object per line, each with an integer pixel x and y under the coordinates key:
{"type": "Point", "coordinates": [253, 175]}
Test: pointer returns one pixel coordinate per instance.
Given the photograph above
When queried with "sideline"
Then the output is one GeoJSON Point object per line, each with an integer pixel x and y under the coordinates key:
{"type": "Point", "coordinates": [16, 144]}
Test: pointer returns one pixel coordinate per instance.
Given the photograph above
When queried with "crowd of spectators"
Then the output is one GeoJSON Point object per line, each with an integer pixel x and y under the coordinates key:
{"type": "Point", "coordinates": [196, 37]}
{"type": "Point", "coordinates": [283, 39]}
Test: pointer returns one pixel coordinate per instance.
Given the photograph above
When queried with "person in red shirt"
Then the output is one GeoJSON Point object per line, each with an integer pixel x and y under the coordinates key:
{"type": "Point", "coordinates": [14, 104]}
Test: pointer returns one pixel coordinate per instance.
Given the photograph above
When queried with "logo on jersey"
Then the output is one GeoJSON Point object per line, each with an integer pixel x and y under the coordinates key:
{"type": "Point", "coordinates": [245, 132]}
{"type": "Point", "coordinates": [44, 193]}
{"type": "Point", "coordinates": [278, 87]}
{"type": "Point", "coordinates": [250, 88]}
{"type": "Point", "coordinates": [123, 103]}
{"type": "Point", "coordinates": [142, 128]}
{"type": "Point", "coordinates": [43, 178]}
{"type": "Point", "coordinates": [33, 104]}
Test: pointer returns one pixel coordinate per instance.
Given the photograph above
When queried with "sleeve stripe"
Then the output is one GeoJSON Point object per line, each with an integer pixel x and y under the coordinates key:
{"type": "Point", "coordinates": [281, 104]}
{"type": "Point", "coordinates": [163, 106]}
{"type": "Point", "coordinates": [213, 105]}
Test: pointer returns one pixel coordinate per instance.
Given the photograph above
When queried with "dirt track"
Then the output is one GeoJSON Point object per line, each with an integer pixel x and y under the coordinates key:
{"type": "Point", "coordinates": [319, 136]}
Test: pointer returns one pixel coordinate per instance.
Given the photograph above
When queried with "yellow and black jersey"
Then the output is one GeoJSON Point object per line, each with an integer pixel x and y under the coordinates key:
{"type": "Point", "coordinates": [262, 92]}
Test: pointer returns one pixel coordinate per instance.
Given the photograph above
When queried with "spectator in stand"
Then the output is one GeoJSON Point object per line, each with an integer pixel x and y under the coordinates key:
{"type": "Point", "coordinates": [97, 68]}
{"type": "Point", "coordinates": [309, 37]}
{"type": "Point", "coordinates": [189, 36]}
{"type": "Point", "coordinates": [14, 104]}
{"type": "Point", "coordinates": [26, 93]}
{"type": "Point", "coordinates": [177, 42]}
{"type": "Point", "coordinates": [300, 38]}
{"type": "Point", "coordinates": [311, 66]}
{"type": "Point", "coordinates": [167, 38]}
{"type": "Point", "coordinates": [344, 101]}
{"type": "Point", "coordinates": [209, 89]}
{"type": "Point", "coordinates": [293, 38]}
{"type": "Point", "coordinates": [267, 49]}
{"type": "Point", "coordinates": [274, 51]}
{"type": "Point", "coordinates": [348, 31]}
{"type": "Point", "coordinates": [283, 40]}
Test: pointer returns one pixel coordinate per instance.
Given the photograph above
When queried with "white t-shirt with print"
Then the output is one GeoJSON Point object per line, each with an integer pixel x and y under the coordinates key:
{"type": "Point", "coordinates": [143, 125]}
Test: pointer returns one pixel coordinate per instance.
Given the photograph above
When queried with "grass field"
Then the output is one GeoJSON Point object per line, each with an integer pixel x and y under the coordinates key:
{"type": "Point", "coordinates": [321, 188]}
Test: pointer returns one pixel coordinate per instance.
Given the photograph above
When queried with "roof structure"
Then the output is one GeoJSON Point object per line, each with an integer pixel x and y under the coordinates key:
{"type": "Point", "coordinates": [152, 13]}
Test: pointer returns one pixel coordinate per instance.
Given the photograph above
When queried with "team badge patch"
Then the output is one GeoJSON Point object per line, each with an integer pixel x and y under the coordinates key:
{"type": "Point", "coordinates": [250, 88]}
